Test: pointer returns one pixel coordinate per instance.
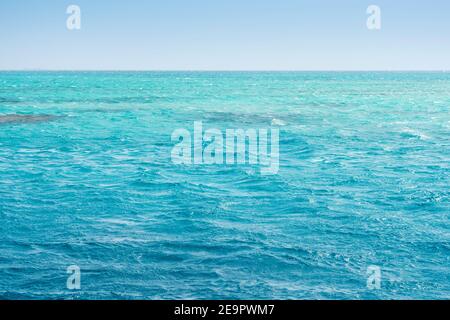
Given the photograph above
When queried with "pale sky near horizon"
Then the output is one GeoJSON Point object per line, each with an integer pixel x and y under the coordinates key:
{"type": "Point", "coordinates": [225, 35]}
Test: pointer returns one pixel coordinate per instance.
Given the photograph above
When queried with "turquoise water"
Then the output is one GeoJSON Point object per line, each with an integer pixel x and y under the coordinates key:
{"type": "Point", "coordinates": [87, 180]}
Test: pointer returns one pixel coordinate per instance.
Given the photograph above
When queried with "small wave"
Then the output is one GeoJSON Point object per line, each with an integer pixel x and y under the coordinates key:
{"type": "Point", "coordinates": [278, 122]}
{"type": "Point", "coordinates": [415, 133]}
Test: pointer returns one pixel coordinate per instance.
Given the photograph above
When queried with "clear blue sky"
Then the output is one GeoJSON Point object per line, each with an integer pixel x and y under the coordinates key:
{"type": "Point", "coordinates": [225, 35]}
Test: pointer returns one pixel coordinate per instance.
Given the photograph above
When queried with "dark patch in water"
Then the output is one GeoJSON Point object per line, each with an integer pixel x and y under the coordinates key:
{"type": "Point", "coordinates": [239, 117]}
{"type": "Point", "coordinates": [106, 110]}
{"type": "Point", "coordinates": [26, 118]}
{"type": "Point", "coordinates": [12, 100]}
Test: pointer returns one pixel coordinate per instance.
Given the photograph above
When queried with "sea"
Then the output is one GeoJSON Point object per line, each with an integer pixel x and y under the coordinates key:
{"type": "Point", "coordinates": [93, 205]}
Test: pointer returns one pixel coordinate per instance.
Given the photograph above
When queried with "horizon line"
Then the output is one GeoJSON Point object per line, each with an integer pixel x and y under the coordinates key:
{"type": "Point", "coordinates": [224, 70]}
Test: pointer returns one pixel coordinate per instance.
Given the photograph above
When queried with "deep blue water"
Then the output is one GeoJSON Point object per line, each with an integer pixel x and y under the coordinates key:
{"type": "Point", "coordinates": [86, 179]}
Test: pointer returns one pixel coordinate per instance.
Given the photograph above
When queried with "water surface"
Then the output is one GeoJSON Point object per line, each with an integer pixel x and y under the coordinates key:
{"type": "Point", "coordinates": [86, 179]}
